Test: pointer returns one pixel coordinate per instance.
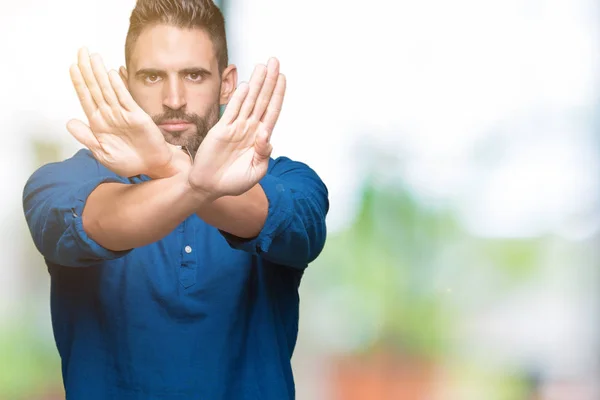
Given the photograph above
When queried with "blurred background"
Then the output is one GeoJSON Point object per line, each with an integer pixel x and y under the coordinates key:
{"type": "Point", "coordinates": [460, 144]}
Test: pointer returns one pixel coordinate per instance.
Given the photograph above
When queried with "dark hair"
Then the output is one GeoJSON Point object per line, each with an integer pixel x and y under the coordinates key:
{"type": "Point", "coordinates": [202, 14]}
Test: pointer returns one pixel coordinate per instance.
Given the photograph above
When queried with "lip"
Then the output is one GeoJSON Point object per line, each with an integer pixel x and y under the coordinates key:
{"type": "Point", "coordinates": [175, 125]}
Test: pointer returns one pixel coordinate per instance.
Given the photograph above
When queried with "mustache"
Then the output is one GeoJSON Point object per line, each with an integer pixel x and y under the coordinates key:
{"type": "Point", "coordinates": [178, 115]}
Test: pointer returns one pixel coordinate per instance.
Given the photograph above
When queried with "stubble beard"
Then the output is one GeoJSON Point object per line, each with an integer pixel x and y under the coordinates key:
{"type": "Point", "coordinates": [191, 141]}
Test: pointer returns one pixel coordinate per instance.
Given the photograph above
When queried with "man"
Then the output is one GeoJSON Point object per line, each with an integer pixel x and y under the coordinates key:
{"type": "Point", "coordinates": [175, 244]}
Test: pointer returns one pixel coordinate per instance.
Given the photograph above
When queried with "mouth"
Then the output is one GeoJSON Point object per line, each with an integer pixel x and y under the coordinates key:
{"type": "Point", "coordinates": [175, 125]}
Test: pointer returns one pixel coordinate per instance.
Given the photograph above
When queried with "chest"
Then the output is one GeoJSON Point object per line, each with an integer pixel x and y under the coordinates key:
{"type": "Point", "coordinates": [188, 272]}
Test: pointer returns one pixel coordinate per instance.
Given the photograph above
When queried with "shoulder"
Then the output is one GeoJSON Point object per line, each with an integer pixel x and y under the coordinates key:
{"type": "Point", "coordinates": [282, 165]}
{"type": "Point", "coordinates": [81, 165]}
{"type": "Point", "coordinates": [296, 175]}
{"type": "Point", "coordinates": [80, 168]}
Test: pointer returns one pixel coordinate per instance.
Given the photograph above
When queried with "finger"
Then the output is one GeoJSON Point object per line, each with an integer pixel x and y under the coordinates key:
{"type": "Point", "coordinates": [274, 108]}
{"type": "Point", "coordinates": [83, 134]}
{"type": "Point", "coordinates": [85, 97]}
{"type": "Point", "coordinates": [267, 90]}
{"type": "Point", "coordinates": [125, 98]}
{"type": "Point", "coordinates": [262, 146]}
{"type": "Point", "coordinates": [85, 67]}
{"type": "Point", "coordinates": [101, 76]}
{"type": "Point", "coordinates": [256, 83]}
{"type": "Point", "coordinates": [233, 107]}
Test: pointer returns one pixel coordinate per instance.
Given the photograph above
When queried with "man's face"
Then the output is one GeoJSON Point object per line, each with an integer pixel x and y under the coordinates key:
{"type": "Point", "coordinates": [173, 75]}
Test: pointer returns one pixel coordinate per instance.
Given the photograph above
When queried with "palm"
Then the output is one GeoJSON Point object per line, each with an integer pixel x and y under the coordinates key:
{"type": "Point", "coordinates": [234, 156]}
{"type": "Point", "coordinates": [121, 135]}
{"type": "Point", "coordinates": [130, 142]}
{"type": "Point", "coordinates": [234, 163]}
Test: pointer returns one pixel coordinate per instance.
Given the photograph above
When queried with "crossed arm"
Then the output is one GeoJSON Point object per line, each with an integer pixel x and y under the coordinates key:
{"type": "Point", "coordinates": [121, 216]}
{"type": "Point", "coordinates": [226, 186]}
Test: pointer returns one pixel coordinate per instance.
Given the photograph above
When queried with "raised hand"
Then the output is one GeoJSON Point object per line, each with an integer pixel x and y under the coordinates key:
{"type": "Point", "coordinates": [235, 153]}
{"type": "Point", "coordinates": [120, 134]}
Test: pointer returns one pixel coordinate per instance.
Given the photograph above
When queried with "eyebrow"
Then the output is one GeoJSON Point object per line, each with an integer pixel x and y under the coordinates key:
{"type": "Point", "coordinates": [159, 72]}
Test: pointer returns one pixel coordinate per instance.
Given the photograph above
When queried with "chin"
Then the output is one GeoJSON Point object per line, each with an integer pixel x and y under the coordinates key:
{"type": "Point", "coordinates": [190, 140]}
{"type": "Point", "coordinates": [176, 140]}
{"type": "Point", "coordinates": [177, 137]}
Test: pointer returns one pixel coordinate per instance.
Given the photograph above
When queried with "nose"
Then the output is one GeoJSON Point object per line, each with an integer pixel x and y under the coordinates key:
{"type": "Point", "coordinates": [174, 94]}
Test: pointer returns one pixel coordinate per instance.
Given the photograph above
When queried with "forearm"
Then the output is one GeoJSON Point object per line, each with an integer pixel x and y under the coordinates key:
{"type": "Point", "coordinates": [122, 217]}
{"type": "Point", "coordinates": [242, 216]}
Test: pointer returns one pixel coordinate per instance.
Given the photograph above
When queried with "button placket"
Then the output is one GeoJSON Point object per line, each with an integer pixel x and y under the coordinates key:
{"type": "Point", "coordinates": [187, 273]}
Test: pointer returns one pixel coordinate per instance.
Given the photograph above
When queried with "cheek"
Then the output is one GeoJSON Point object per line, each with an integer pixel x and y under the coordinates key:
{"type": "Point", "coordinates": [202, 101]}
{"type": "Point", "coordinates": [148, 98]}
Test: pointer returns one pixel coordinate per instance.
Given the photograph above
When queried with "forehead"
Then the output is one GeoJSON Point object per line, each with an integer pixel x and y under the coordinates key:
{"type": "Point", "coordinates": [168, 47]}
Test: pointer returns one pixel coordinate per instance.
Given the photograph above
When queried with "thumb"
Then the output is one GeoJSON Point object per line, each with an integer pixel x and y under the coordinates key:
{"type": "Point", "coordinates": [83, 134]}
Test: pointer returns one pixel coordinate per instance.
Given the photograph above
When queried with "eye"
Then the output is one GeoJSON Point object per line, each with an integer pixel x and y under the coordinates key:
{"type": "Point", "coordinates": [194, 76]}
{"type": "Point", "coordinates": [152, 78]}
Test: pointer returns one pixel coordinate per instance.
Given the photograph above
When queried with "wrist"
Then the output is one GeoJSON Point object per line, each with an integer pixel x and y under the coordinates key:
{"type": "Point", "coordinates": [166, 171]}
{"type": "Point", "coordinates": [202, 193]}
{"type": "Point", "coordinates": [180, 163]}
{"type": "Point", "coordinates": [190, 197]}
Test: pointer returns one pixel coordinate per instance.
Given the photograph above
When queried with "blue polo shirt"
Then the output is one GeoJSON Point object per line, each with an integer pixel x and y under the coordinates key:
{"type": "Point", "coordinates": [200, 314]}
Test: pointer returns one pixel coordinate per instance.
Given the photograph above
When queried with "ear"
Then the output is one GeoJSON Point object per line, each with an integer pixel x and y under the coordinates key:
{"type": "Point", "coordinates": [124, 75]}
{"type": "Point", "coordinates": [228, 84]}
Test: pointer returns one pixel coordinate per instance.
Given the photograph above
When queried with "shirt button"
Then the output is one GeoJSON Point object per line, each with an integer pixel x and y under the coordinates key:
{"type": "Point", "coordinates": [188, 249]}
